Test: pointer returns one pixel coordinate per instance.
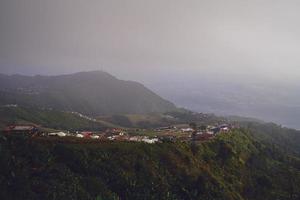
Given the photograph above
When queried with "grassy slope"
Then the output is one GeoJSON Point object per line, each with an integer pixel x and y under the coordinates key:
{"type": "Point", "coordinates": [233, 166]}
{"type": "Point", "coordinates": [154, 120]}
{"type": "Point", "coordinates": [47, 118]}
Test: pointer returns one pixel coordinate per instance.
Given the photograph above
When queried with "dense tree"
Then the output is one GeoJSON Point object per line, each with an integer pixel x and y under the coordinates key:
{"type": "Point", "coordinates": [232, 166]}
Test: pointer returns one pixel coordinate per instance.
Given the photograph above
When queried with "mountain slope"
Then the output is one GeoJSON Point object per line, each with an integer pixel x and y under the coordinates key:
{"type": "Point", "coordinates": [233, 166]}
{"type": "Point", "coordinates": [48, 119]}
{"type": "Point", "coordinates": [92, 93]}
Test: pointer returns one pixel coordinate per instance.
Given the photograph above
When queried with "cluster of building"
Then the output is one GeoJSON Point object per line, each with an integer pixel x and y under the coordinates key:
{"type": "Point", "coordinates": [110, 134]}
{"type": "Point", "coordinates": [211, 131]}
{"type": "Point", "coordinates": [118, 134]}
{"type": "Point", "coordinates": [21, 129]}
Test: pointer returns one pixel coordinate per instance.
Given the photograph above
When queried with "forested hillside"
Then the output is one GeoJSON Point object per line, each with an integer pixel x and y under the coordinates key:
{"type": "Point", "coordinates": [272, 134]}
{"type": "Point", "coordinates": [232, 166]}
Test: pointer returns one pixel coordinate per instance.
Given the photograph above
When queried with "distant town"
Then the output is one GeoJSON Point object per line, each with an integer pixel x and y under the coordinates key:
{"type": "Point", "coordinates": [184, 133]}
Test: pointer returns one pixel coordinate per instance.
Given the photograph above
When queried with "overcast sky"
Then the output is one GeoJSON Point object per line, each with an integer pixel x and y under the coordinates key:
{"type": "Point", "coordinates": [138, 39]}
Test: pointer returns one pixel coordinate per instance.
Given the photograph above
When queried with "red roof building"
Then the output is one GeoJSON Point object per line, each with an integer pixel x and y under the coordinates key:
{"type": "Point", "coordinates": [21, 129]}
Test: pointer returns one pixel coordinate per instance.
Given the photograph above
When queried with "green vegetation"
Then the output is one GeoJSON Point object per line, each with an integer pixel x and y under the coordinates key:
{"type": "Point", "coordinates": [235, 166]}
{"type": "Point", "coordinates": [287, 139]}
{"type": "Point", "coordinates": [55, 119]}
{"type": "Point", "coordinates": [155, 120]}
{"type": "Point", "coordinates": [151, 120]}
{"type": "Point", "coordinates": [47, 118]}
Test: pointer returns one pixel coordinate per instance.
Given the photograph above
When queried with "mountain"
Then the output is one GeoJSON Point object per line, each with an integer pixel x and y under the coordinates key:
{"type": "Point", "coordinates": [91, 93]}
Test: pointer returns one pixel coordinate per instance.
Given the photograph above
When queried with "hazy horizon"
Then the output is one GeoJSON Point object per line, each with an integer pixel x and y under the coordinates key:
{"type": "Point", "coordinates": [246, 38]}
{"type": "Point", "coordinates": [233, 57]}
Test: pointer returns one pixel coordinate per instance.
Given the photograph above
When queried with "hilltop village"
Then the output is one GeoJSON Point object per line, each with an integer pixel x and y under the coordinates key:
{"type": "Point", "coordinates": [184, 133]}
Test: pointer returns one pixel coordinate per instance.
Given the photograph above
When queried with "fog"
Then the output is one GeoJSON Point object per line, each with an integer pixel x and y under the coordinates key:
{"type": "Point", "coordinates": [228, 57]}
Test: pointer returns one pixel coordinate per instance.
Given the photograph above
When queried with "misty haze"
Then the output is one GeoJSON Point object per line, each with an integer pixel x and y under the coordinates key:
{"type": "Point", "coordinates": [137, 99]}
{"type": "Point", "coordinates": [233, 58]}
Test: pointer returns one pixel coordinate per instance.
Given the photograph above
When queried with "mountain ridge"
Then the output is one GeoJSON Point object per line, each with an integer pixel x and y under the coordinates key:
{"type": "Point", "coordinates": [93, 93]}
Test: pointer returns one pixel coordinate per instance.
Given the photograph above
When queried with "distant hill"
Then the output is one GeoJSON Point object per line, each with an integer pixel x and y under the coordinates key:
{"type": "Point", "coordinates": [73, 121]}
{"type": "Point", "coordinates": [49, 119]}
{"type": "Point", "coordinates": [92, 93]}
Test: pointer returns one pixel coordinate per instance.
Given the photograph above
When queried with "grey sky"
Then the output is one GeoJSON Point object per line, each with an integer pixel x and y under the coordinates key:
{"type": "Point", "coordinates": [136, 39]}
{"type": "Point", "coordinates": [223, 56]}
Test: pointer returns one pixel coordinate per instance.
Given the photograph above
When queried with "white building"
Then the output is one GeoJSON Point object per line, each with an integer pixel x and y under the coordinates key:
{"type": "Point", "coordinates": [59, 134]}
